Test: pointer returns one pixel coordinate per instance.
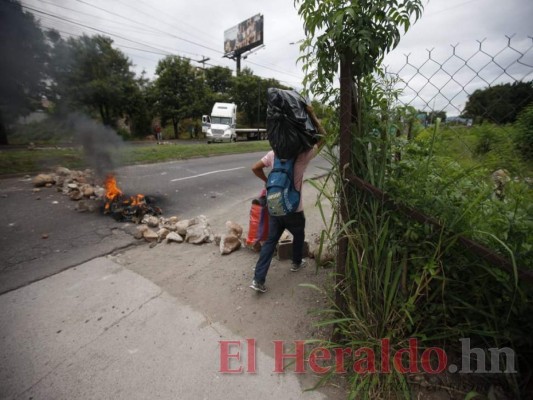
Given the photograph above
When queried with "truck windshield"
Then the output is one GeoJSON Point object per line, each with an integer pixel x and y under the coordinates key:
{"type": "Point", "coordinates": [221, 120]}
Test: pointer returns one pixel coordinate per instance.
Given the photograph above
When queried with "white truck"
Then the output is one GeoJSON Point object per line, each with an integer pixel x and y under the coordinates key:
{"type": "Point", "coordinates": [221, 125]}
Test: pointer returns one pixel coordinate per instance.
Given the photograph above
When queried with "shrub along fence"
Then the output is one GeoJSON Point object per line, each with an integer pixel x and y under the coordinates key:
{"type": "Point", "coordinates": [435, 215]}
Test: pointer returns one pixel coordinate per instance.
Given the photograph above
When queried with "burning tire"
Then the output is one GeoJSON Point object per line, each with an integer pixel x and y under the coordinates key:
{"type": "Point", "coordinates": [125, 208]}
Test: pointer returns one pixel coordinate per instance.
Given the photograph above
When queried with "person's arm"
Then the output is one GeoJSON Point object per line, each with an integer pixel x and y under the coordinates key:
{"type": "Point", "coordinates": [258, 171]}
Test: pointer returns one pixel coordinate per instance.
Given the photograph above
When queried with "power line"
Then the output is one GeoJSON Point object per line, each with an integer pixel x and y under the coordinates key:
{"type": "Point", "coordinates": [157, 30]}
{"type": "Point", "coordinates": [164, 15]}
{"type": "Point", "coordinates": [272, 69]}
{"type": "Point", "coordinates": [115, 14]}
{"type": "Point", "coordinates": [64, 19]}
{"type": "Point", "coordinates": [119, 45]}
{"type": "Point", "coordinates": [92, 28]}
{"type": "Point", "coordinates": [73, 22]}
{"type": "Point", "coordinates": [90, 15]}
{"type": "Point", "coordinates": [294, 84]}
{"type": "Point", "coordinates": [155, 50]}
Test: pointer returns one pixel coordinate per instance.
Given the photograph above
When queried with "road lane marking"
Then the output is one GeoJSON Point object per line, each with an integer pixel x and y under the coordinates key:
{"type": "Point", "coordinates": [206, 173]}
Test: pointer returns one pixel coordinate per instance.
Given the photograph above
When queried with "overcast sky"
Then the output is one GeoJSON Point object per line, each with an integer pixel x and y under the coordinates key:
{"type": "Point", "coordinates": [147, 30]}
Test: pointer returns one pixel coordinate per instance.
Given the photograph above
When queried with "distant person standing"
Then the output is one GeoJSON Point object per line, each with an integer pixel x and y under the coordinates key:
{"type": "Point", "coordinates": [158, 134]}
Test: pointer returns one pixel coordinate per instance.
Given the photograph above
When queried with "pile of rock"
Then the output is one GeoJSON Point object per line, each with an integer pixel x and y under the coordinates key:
{"type": "Point", "coordinates": [78, 185]}
{"type": "Point", "coordinates": [194, 231]}
{"type": "Point", "coordinates": [231, 240]}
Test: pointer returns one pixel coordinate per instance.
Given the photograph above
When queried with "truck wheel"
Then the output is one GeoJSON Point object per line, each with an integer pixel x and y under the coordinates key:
{"type": "Point", "coordinates": [208, 142]}
{"type": "Point", "coordinates": [234, 139]}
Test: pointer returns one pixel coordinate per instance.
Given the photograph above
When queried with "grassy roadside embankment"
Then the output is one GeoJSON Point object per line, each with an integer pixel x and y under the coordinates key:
{"type": "Point", "coordinates": [25, 161]}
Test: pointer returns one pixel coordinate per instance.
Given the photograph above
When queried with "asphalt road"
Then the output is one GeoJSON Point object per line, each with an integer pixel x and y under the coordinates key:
{"type": "Point", "coordinates": [41, 234]}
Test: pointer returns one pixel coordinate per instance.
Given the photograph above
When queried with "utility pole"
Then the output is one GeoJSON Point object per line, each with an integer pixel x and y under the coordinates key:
{"type": "Point", "coordinates": [235, 56]}
{"type": "Point", "coordinates": [203, 61]}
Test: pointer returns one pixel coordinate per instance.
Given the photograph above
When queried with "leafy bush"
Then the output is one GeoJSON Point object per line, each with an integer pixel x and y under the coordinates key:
{"type": "Point", "coordinates": [524, 138]}
{"type": "Point", "coordinates": [407, 279]}
{"type": "Point", "coordinates": [487, 139]}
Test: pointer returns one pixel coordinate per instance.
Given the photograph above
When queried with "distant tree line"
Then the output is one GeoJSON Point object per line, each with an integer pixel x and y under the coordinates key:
{"type": "Point", "coordinates": [88, 74]}
{"type": "Point", "coordinates": [500, 104]}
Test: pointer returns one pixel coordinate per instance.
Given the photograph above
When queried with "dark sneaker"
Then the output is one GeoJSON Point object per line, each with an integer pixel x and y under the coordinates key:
{"type": "Point", "coordinates": [259, 287]}
{"type": "Point", "coordinates": [297, 267]}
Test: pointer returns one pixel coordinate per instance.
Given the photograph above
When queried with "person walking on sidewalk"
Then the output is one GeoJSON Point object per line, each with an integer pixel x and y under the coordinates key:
{"type": "Point", "coordinates": [293, 222]}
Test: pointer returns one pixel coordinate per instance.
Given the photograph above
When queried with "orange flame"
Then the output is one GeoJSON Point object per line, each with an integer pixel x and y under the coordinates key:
{"type": "Point", "coordinates": [136, 200]}
{"type": "Point", "coordinates": [111, 189]}
{"type": "Point", "coordinates": [113, 193]}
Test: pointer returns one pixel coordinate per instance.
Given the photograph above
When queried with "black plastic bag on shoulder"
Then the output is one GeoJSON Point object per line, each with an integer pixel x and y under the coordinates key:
{"type": "Point", "coordinates": [290, 130]}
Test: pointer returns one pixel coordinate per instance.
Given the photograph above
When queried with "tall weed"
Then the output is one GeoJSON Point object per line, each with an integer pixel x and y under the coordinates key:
{"type": "Point", "coordinates": [405, 279]}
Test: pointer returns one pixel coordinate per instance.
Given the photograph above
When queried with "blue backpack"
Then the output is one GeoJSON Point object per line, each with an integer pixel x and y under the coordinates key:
{"type": "Point", "coordinates": [282, 197]}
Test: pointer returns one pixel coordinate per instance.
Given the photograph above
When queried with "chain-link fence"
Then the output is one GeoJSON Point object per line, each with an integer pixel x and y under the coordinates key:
{"type": "Point", "coordinates": [466, 102]}
{"type": "Point", "coordinates": [444, 79]}
{"type": "Point", "coordinates": [471, 100]}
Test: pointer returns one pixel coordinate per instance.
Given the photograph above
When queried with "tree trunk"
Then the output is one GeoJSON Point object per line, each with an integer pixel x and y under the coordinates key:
{"type": "Point", "coordinates": [345, 148]}
{"type": "Point", "coordinates": [175, 122]}
{"type": "Point", "coordinates": [107, 120]}
{"type": "Point", "coordinates": [3, 132]}
{"type": "Point", "coordinates": [410, 130]}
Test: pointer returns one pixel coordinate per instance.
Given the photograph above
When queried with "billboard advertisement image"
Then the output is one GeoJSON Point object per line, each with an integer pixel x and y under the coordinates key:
{"type": "Point", "coordinates": [245, 36]}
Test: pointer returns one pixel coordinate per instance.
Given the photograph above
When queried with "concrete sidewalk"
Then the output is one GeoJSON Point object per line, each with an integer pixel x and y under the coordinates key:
{"type": "Point", "coordinates": [146, 323]}
{"type": "Point", "coordinates": [99, 331]}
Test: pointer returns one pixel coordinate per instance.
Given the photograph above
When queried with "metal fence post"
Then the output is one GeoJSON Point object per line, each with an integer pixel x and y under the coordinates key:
{"type": "Point", "coordinates": [345, 148]}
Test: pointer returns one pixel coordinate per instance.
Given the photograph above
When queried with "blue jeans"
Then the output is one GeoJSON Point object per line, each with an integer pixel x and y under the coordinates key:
{"type": "Point", "coordinates": [295, 224]}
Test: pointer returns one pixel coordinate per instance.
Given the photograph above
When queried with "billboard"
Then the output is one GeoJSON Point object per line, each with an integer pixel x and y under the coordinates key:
{"type": "Point", "coordinates": [245, 36]}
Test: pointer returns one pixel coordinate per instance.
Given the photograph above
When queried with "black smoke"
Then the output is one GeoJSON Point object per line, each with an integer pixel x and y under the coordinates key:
{"type": "Point", "coordinates": [101, 144]}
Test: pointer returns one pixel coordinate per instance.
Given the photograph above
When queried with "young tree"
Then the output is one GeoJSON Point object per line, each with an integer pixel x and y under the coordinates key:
{"type": "Point", "coordinates": [250, 93]}
{"type": "Point", "coordinates": [23, 66]}
{"type": "Point", "coordinates": [93, 76]}
{"type": "Point", "coordinates": [139, 109]}
{"type": "Point", "coordinates": [358, 32]}
{"type": "Point", "coordinates": [178, 91]}
{"type": "Point", "coordinates": [352, 37]}
{"type": "Point", "coordinates": [219, 80]}
{"type": "Point", "coordinates": [247, 93]}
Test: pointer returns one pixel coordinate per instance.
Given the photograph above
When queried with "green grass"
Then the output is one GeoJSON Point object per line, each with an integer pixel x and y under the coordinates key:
{"type": "Point", "coordinates": [489, 146]}
{"type": "Point", "coordinates": [30, 161]}
{"type": "Point", "coordinates": [21, 161]}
